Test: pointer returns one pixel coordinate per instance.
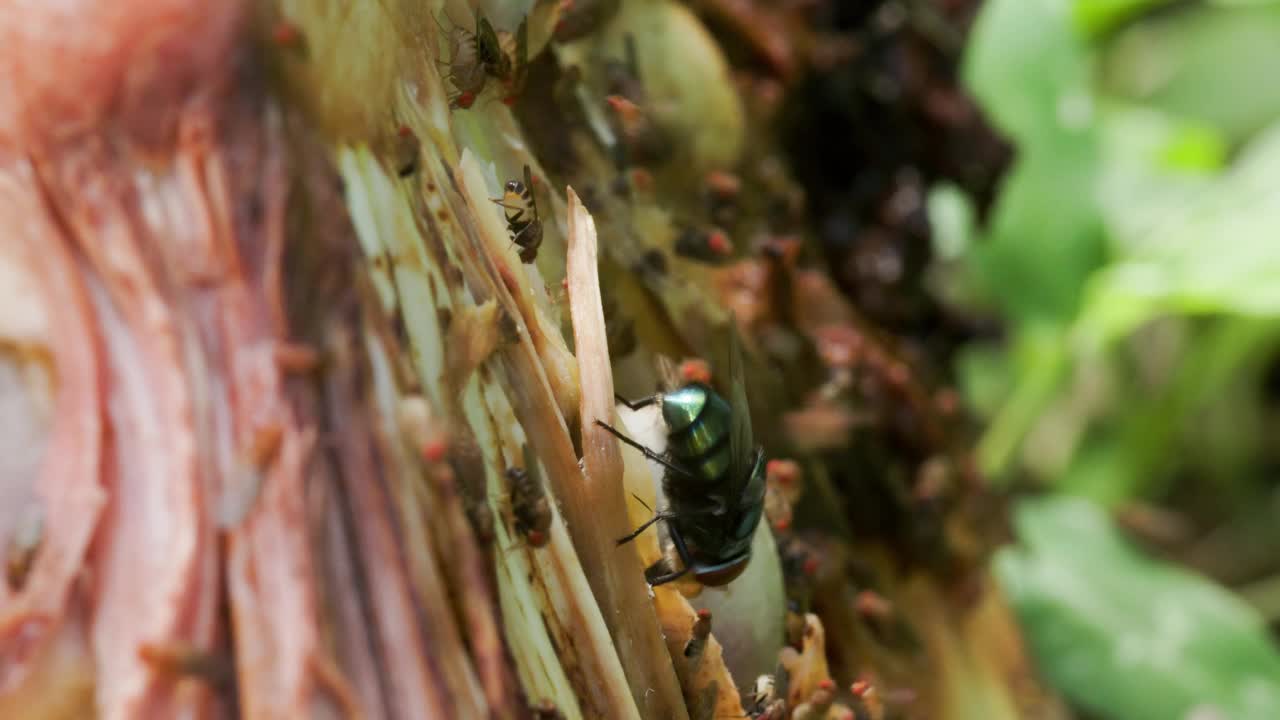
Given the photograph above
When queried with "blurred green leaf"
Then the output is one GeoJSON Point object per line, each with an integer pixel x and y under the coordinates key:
{"type": "Point", "coordinates": [1216, 64]}
{"type": "Point", "coordinates": [1194, 147]}
{"type": "Point", "coordinates": [1122, 214]}
{"type": "Point", "coordinates": [1040, 361]}
{"type": "Point", "coordinates": [1216, 253]}
{"type": "Point", "coordinates": [984, 372]}
{"type": "Point", "coordinates": [1185, 244]}
{"type": "Point", "coordinates": [1032, 74]}
{"type": "Point", "coordinates": [1126, 636]}
{"type": "Point", "coordinates": [1045, 237]}
{"type": "Point", "coordinates": [1028, 68]}
{"type": "Point", "coordinates": [1155, 164]}
{"type": "Point", "coordinates": [1098, 16]}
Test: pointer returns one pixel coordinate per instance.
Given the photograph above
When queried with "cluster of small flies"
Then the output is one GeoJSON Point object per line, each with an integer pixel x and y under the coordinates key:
{"type": "Point", "coordinates": [714, 480]}
{"type": "Point", "coordinates": [477, 55]}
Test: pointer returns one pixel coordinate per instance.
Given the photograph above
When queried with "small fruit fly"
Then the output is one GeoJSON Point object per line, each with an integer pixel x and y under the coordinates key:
{"type": "Point", "coordinates": [546, 710]}
{"type": "Point", "coordinates": [407, 150]}
{"type": "Point", "coordinates": [465, 70]}
{"type": "Point", "coordinates": [522, 216]}
{"type": "Point", "coordinates": [714, 480]}
{"type": "Point", "coordinates": [21, 549]}
{"type": "Point", "coordinates": [704, 245]}
{"type": "Point", "coordinates": [184, 660]}
{"type": "Point", "coordinates": [473, 57]}
{"type": "Point", "coordinates": [529, 502]}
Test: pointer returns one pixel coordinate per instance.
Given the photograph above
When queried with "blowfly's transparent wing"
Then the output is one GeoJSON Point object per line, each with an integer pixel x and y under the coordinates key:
{"type": "Point", "coordinates": [741, 444]}
{"type": "Point", "coordinates": [668, 373]}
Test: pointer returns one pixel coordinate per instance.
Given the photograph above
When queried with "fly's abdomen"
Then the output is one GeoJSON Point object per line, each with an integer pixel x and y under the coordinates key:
{"type": "Point", "coordinates": [516, 222]}
{"type": "Point", "coordinates": [712, 465]}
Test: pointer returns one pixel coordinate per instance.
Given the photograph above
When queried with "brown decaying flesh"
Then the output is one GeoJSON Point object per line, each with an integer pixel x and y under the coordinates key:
{"type": "Point", "coordinates": [153, 217]}
{"type": "Point", "coordinates": [69, 485]}
{"type": "Point", "coordinates": [184, 299]}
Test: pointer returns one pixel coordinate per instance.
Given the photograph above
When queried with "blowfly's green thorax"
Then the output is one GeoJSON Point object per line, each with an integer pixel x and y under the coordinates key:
{"type": "Point", "coordinates": [698, 421]}
{"type": "Point", "coordinates": [681, 407]}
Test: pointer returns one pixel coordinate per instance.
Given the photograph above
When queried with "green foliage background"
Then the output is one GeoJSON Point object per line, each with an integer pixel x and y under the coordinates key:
{"type": "Point", "coordinates": [1134, 256]}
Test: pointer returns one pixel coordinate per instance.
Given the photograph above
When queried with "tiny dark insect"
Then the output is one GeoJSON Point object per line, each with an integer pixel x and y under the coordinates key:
{"type": "Point", "coordinates": [20, 550]}
{"type": "Point", "coordinates": [546, 710]}
{"type": "Point", "coordinates": [529, 501]}
{"type": "Point", "coordinates": [714, 481]}
{"type": "Point", "coordinates": [407, 150]}
{"type": "Point", "coordinates": [522, 216]}
{"type": "Point", "coordinates": [288, 36]}
{"type": "Point", "coordinates": [185, 660]}
{"type": "Point", "coordinates": [622, 77]}
{"type": "Point", "coordinates": [704, 245]}
{"type": "Point", "coordinates": [653, 262]}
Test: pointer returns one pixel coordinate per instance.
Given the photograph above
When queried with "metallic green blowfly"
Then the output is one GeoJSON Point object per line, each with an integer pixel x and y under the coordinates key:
{"type": "Point", "coordinates": [714, 479]}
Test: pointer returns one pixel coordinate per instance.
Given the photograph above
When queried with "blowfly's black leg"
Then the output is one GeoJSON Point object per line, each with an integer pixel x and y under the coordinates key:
{"type": "Point", "coordinates": [683, 552]}
{"type": "Point", "coordinates": [642, 502]}
{"type": "Point", "coordinates": [681, 549]}
{"type": "Point", "coordinates": [636, 404]}
{"type": "Point", "coordinates": [647, 452]}
{"type": "Point", "coordinates": [636, 533]}
{"type": "Point", "coordinates": [655, 581]}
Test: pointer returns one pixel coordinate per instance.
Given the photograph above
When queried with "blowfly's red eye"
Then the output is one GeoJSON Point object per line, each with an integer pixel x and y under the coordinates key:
{"type": "Point", "coordinates": [695, 370]}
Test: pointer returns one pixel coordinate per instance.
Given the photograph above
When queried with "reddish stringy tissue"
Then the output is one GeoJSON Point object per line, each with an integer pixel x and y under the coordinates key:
{"type": "Point", "coordinates": [162, 296]}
